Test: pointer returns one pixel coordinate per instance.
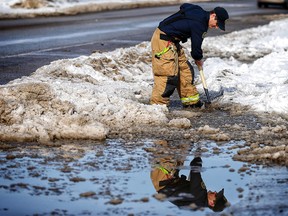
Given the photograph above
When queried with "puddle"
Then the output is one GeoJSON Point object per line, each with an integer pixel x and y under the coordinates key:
{"type": "Point", "coordinates": [113, 177]}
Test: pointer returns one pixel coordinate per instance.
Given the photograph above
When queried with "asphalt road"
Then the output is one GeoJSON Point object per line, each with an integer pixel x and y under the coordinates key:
{"type": "Point", "coordinates": [27, 44]}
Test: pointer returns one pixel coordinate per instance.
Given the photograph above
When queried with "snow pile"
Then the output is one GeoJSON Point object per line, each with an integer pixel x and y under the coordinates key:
{"type": "Point", "coordinates": [81, 98]}
{"type": "Point", "coordinates": [263, 83]}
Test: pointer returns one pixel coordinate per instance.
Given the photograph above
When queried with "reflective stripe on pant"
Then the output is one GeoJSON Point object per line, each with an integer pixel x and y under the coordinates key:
{"type": "Point", "coordinates": [171, 66]}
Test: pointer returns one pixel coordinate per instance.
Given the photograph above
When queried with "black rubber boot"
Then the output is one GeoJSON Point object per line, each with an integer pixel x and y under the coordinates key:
{"type": "Point", "coordinates": [198, 105]}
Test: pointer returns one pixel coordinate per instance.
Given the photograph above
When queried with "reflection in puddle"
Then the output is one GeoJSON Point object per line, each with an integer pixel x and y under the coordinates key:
{"type": "Point", "coordinates": [113, 177]}
{"type": "Point", "coordinates": [202, 173]}
{"type": "Point", "coordinates": [186, 192]}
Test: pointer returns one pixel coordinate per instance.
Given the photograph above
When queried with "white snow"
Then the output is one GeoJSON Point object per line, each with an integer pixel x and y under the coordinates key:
{"type": "Point", "coordinates": [262, 83]}
{"type": "Point", "coordinates": [85, 97]}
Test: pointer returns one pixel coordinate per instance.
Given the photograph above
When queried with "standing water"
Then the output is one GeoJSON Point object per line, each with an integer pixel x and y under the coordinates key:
{"type": "Point", "coordinates": [113, 177]}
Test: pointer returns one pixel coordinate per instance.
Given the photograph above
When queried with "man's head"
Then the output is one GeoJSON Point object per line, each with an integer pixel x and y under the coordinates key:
{"type": "Point", "coordinates": [218, 17]}
{"type": "Point", "coordinates": [217, 201]}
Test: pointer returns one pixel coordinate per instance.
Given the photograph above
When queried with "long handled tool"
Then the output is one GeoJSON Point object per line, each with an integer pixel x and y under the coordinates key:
{"type": "Point", "coordinates": [204, 84]}
{"type": "Point", "coordinates": [214, 94]}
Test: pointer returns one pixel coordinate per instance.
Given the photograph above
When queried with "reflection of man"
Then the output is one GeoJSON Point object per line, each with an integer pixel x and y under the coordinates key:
{"type": "Point", "coordinates": [186, 192]}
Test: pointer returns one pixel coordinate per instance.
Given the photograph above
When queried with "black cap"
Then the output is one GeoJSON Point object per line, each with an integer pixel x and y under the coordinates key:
{"type": "Point", "coordinates": [221, 201]}
{"type": "Point", "coordinates": [222, 16]}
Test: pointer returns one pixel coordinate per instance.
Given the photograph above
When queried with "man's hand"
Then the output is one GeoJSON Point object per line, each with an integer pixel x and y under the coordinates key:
{"type": "Point", "coordinates": [199, 63]}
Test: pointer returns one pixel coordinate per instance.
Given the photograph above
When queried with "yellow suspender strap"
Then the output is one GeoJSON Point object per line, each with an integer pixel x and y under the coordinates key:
{"type": "Point", "coordinates": [166, 49]}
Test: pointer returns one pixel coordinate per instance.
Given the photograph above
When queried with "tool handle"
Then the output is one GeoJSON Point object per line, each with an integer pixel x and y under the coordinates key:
{"type": "Point", "coordinates": [204, 83]}
{"type": "Point", "coordinates": [203, 78]}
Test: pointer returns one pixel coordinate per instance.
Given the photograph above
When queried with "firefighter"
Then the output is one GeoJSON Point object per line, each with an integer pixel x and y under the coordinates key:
{"type": "Point", "coordinates": [169, 63]}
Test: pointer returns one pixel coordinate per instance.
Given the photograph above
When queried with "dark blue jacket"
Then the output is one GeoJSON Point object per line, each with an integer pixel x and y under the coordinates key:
{"type": "Point", "coordinates": [190, 22]}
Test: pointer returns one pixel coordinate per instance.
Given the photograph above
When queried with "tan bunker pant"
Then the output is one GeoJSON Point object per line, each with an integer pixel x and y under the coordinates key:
{"type": "Point", "coordinates": [170, 70]}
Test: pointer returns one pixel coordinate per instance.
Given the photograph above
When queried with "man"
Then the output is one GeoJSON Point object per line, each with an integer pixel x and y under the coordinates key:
{"type": "Point", "coordinates": [169, 62]}
{"type": "Point", "coordinates": [184, 192]}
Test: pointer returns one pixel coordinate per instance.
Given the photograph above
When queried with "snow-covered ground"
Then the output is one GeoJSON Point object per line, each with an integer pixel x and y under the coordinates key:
{"type": "Point", "coordinates": [85, 97]}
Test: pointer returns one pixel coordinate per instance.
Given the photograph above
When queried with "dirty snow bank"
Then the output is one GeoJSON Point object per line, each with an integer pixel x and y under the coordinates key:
{"type": "Point", "coordinates": [81, 98]}
{"type": "Point", "coordinates": [89, 96]}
